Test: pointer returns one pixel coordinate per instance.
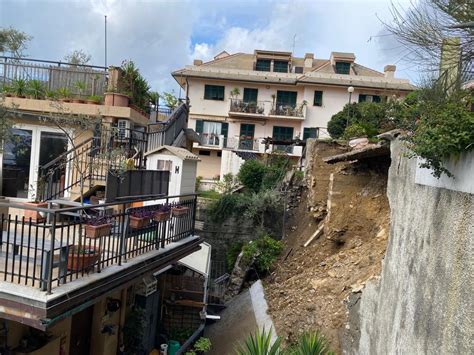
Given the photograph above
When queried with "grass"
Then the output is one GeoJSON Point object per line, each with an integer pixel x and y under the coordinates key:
{"type": "Point", "coordinates": [211, 194]}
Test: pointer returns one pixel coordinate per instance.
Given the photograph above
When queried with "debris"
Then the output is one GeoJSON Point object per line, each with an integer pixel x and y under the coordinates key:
{"type": "Point", "coordinates": [315, 235]}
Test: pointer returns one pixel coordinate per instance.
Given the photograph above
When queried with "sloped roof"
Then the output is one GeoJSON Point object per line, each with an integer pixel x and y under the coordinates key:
{"type": "Point", "coordinates": [179, 152]}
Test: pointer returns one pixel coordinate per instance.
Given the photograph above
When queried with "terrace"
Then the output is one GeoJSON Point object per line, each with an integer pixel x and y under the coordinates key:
{"type": "Point", "coordinates": [266, 110]}
{"type": "Point", "coordinates": [47, 248]}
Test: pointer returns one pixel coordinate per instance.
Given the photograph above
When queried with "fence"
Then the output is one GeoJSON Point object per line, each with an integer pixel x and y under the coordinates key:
{"type": "Point", "coordinates": [55, 75]}
{"type": "Point", "coordinates": [170, 129]}
{"type": "Point", "coordinates": [46, 247]}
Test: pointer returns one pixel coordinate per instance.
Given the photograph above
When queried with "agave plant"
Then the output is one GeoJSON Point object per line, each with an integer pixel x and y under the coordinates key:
{"type": "Point", "coordinates": [19, 87]}
{"type": "Point", "coordinates": [260, 344]}
{"type": "Point", "coordinates": [311, 344]}
{"type": "Point", "coordinates": [81, 87]}
{"type": "Point", "coordinates": [36, 89]}
{"type": "Point", "coordinates": [64, 93]}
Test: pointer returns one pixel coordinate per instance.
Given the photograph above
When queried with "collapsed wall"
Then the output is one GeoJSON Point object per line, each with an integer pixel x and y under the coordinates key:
{"type": "Point", "coordinates": [422, 303]}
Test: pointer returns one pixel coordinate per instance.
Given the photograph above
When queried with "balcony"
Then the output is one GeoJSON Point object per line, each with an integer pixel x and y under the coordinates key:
{"type": "Point", "coordinates": [47, 248]}
{"type": "Point", "coordinates": [266, 110]}
{"type": "Point", "coordinates": [243, 143]}
{"type": "Point", "coordinates": [55, 75]}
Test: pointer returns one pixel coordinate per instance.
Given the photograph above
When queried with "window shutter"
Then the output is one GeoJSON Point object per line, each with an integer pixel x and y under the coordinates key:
{"type": "Point", "coordinates": [224, 129]}
{"type": "Point", "coordinates": [199, 126]}
{"type": "Point", "coordinates": [310, 132]}
{"type": "Point", "coordinates": [362, 98]}
{"type": "Point", "coordinates": [376, 98]}
{"type": "Point", "coordinates": [318, 98]}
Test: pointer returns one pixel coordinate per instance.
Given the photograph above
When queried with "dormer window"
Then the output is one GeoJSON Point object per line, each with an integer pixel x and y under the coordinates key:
{"type": "Point", "coordinates": [343, 68]}
{"type": "Point", "coordinates": [263, 65]}
{"type": "Point", "coordinates": [280, 66]}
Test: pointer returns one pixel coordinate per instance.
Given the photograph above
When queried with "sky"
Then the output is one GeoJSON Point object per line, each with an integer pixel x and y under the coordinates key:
{"type": "Point", "coordinates": [163, 36]}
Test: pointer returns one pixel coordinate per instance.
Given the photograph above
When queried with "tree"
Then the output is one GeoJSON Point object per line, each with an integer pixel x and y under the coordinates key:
{"type": "Point", "coordinates": [427, 28]}
{"type": "Point", "coordinates": [13, 41]}
{"type": "Point", "coordinates": [251, 174]}
{"type": "Point", "coordinates": [170, 99]}
{"type": "Point", "coordinates": [78, 57]}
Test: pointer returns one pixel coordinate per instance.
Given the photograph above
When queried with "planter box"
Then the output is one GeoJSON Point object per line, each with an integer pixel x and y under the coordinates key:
{"type": "Point", "coordinates": [138, 222]}
{"type": "Point", "coordinates": [35, 215]}
{"type": "Point", "coordinates": [180, 211]}
{"type": "Point", "coordinates": [116, 99]}
{"type": "Point", "coordinates": [161, 216]}
{"type": "Point", "coordinates": [79, 261]}
{"type": "Point", "coordinates": [97, 231]}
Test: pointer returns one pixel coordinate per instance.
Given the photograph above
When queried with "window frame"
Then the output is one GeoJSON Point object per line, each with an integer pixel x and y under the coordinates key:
{"type": "Point", "coordinates": [248, 90]}
{"type": "Point", "coordinates": [346, 65]}
{"type": "Point", "coordinates": [282, 64]}
{"type": "Point", "coordinates": [320, 103]}
{"type": "Point", "coordinates": [208, 91]}
{"type": "Point", "coordinates": [263, 68]}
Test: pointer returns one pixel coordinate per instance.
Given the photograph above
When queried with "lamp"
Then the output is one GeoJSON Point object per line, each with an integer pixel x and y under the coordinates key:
{"type": "Point", "coordinates": [350, 90]}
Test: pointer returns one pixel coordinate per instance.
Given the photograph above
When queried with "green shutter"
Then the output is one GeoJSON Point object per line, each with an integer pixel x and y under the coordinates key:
{"type": "Point", "coordinates": [280, 66]}
{"type": "Point", "coordinates": [250, 95]}
{"type": "Point", "coordinates": [262, 65]}
{"type": "Point", "coordinates": [199, 126]}
{"type": "Point", "coordinates": [224, 129]}
{"type": "Point", "coordinates": [343, 68]}
{"type": "Point", "coordinates": [286, 98]}
{"type": "Point", "coordinates": [310, 132]}
{"type": "Point", "coordinates": [318, 98]}
{"type": "Point", "coordinates": [362, 98]}
{"type": "Point", "coordinates": [376, 98]}
{"type": "Point", "coordinates": [214, 92]}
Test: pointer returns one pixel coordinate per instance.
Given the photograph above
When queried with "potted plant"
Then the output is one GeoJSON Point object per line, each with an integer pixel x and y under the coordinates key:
{"type": "Point", "coordinates": [140, 218]}
{"type": "Point", "coordinates": [252, 108]}
{"type": "Point", "coordinates": [36, 89]}
{"type": "Point", "coordinates": [260, 110]}
{"type": "Point", "coordinates": [82, 257]}
{"type": "Point", "coordinates": [51, 95]}
{"type": "Point", "coordinates": [201, 346]}
{"type": "Point", "coordinates": [94, 100]}
{"type": "Point", "coordinates": [64, 94]}
{"type": "Point", "coordinates": [97, 227]}
{"type": "Point", "coordinates": [179, 211]}
{"type": "Point", "coordinates": [19, 87]}
{"type": "Point", "coordinates": [163, 213]}
{"type": "Point", "coordinates": [7, 90]}
{"type": "Point", "coordinates": [81, 87]}
{"type": "Point", "coordinates": [36, 216]}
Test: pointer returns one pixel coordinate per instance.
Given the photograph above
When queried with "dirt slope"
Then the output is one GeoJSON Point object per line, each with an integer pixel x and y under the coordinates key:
{"type": "Point", "coordinates": [308, 287]}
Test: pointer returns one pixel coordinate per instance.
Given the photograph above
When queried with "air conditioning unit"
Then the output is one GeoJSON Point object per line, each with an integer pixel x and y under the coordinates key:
{"type": "Point", "coordinates": [123, 129]}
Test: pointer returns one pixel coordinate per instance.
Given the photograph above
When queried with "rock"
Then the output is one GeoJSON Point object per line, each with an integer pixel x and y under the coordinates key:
{"type": "Point", "coordinates": [358, 287]}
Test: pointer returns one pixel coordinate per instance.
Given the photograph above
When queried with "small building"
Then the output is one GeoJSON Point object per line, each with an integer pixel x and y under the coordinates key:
{"type": "Point", "coordinates": [182, 165]}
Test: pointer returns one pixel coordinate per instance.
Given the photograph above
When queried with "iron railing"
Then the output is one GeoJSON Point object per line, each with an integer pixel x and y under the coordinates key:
{"type": "Point", "coordinates": [288, 110]}
{"type": "Point", "coordinates": [242, 143]}
{"type": "Point", "coordinates": [165, 133]}
{"type": "Point", "coordinates": [50, 247]}
{"type": "Point", "coordinates": [238, 105]}
{"type": "Point", "coordinates": [55, 75]}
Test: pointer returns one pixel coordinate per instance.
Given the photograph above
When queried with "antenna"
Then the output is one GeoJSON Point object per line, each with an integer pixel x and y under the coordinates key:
{"type": "Point", "coordinates": [105, 44]}
{"type": "Point", "coordinates": [294, 43]}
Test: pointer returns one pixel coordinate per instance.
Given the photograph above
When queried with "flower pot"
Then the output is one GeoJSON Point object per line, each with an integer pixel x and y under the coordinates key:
{"type": "Point", "coordinates": [138, 222]}
{"type": "Point", "coordinates": [35, 215]}
{"type": "Point", "coordinates": [78, 261]}
{"type": "Point", "coordinates": [92, 102]}
{"type": "Point", "coordinates": [115, 99]}
{"type": "Point", "coordinates": [180, 211]}
{"type": "Point", "coordinates": [65, 100]}
{"type": "Point", "coordinates": [77, 101]}
{"type": "Point", "coordinates": [161, 216]}
{"type": "Point", "coordinates": [98, 231]}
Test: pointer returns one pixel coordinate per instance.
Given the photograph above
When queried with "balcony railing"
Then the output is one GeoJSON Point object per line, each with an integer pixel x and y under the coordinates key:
{"type": "Point", "coordinates": [55, 75]}
{"type": "Point", "coordinates": [50, 247]}
{"type": "Point", "coordinates": [241, 106]}
{"type": "Point", "coordinates": [242, 143]}
{"type": "Point", "coordinates": [288, 110]}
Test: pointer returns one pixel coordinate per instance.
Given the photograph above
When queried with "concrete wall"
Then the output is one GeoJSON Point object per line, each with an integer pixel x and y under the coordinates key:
{"type": "Point", "coordinates": [209, 166]}
{"type": "Point", "coordinates": [422, 303]}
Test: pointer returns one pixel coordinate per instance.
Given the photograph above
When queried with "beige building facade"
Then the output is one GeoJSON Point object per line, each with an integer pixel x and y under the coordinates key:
{"type": "Point", "coordinates": [238, 100]}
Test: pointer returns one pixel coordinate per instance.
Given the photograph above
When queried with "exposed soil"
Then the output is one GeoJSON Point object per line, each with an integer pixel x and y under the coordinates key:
{"type": "Point", "coordinates": [307, 289]}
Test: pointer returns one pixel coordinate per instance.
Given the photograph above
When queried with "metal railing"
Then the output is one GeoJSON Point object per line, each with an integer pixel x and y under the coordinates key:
{"type": "Point", "coordinates": [242, 143]}
{"type": "Point", "coordinates": [45, 247]}
{"type": "Point", "coordinates": [55, 75]}
{"type": "Point", "coordinates": [165, 133]}
{"type": "Point", "coordinates": [238, 105]}
{"type": "Point", "coordinates": [288, 110]}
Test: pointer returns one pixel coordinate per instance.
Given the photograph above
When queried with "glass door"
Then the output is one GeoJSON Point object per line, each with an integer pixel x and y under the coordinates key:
{"type": "Point", "coordinates": [16, 165]}
{"type": "Point", "coordinates": [247, 133]}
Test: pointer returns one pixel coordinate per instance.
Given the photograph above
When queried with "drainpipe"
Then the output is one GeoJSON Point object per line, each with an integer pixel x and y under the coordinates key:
{"type": "Point", "coordinates": [191, 339]}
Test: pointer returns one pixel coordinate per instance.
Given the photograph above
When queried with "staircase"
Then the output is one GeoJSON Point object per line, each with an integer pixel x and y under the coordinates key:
{"type": "Point", "coordinates": [91, 162]}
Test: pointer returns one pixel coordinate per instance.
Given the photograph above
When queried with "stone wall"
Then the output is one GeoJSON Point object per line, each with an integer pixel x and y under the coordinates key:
{"type": "Point", "coordinates": [422, 303]}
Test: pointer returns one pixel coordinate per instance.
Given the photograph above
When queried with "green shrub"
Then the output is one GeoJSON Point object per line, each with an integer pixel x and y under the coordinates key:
{"type": "Point", "coordinates": [232, 254]}
{"type": "Point", "coordinates": [259, 344]}
{"type": "Point", "coordinates": [264, 251]}
{"type": "Point", "coordinates": [251, 174]}
{"type": "Point", "coordinates": [310, 344]}
{"type": "Point", "coordinates": [353, 131]}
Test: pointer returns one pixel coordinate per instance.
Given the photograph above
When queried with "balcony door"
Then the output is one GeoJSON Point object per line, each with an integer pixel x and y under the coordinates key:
{"type": "Point", "coordinates": [284, 134]}
{"type": "Point", "coordinates": [30, 147]}
{"type": "Point", "coordinates": [247, 134]}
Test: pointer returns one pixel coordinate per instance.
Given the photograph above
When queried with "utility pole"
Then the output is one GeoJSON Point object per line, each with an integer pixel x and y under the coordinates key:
{"type": "Point", "coordinates": [105, 44]}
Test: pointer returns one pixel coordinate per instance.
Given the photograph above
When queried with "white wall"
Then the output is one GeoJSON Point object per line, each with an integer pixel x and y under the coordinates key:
{"type": "Point", "coordinates": [188, 178]}
{"type": "Point", "coordinates": [175, 178]}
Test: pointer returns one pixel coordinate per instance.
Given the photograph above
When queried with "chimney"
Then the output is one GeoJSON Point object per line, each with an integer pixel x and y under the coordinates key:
{"type": "Point", "coordinates": [389, 71]}
{"type": "Point", "coordinates": [308, 60]}
{"type": "Point", "coordinates": [197, 62]}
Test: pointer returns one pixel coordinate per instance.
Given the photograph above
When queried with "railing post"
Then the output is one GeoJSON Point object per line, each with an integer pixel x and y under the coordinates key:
{"type": "Point", "coordinates": [50, 253]}
{"type": "Point", "coordinates": [124, 235]}
{"type": "Point", "coordinates": [163, 237]}
{"type": "Point", "coordinates": [194, 214]}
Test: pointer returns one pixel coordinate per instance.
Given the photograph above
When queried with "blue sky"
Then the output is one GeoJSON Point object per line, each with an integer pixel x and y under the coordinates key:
{"type": "Point", "coordinates": [162, 36]}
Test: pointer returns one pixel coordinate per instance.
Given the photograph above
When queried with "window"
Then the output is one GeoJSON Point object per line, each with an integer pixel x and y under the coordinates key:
{"type": "Point", "coordinates": [219, 154]}
{"type": "Point", "coordinates": [214, 92]}
{"type": "Point", "coordinates": [369, 98]}
{"type": "Point", "coordinates": [262, 65]}
{"type": "Point", "coordinates": [163, 165]}
{"type": "Point", "coordinates": [211, 131]}
{"type": "Point", "coordinates": [280, 66]}
{"type": "Point", "coordinates": [318, 98]}
{"type": "Point", "coordinates": [286, 98]}
{"type": "Point", "coordinates": [299, 70]}
{"type": "Point", "coordinates": [283, 134]}
{"type": "Point", "coordinates": [310, 132]}
{"type": "Point", "coordinates": [343, 68]}
{"type": "Point", "coordinates": [205, 152]}
{"type": "Point", "coordinates": [250, 95]}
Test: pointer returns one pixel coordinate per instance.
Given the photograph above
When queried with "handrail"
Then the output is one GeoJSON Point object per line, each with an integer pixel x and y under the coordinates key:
{"type": "Point", "coordinates": [53, 62]}
{"type": "Point", "coordinates": [66, 153]}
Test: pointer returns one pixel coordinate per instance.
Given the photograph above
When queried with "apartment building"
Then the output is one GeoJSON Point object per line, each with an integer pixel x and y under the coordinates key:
{"type": "Point", "coordinates": [238, 100]}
